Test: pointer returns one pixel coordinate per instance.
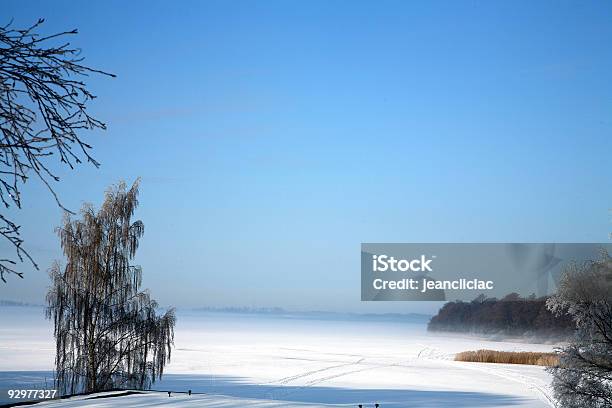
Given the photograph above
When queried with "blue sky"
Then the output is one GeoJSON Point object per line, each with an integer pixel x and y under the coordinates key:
{"type": "Point", "coordinates": [274, 137]}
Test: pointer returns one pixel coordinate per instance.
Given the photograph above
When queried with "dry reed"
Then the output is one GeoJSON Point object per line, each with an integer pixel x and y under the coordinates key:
{"type": "Point", "coordinates": [509, 357]}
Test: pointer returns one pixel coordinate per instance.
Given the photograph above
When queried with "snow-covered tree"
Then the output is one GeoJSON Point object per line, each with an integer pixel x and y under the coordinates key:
{"type": "Point", "coordinates": [108, 333]}
{"type": "Point", "coordinates": [583, 378]}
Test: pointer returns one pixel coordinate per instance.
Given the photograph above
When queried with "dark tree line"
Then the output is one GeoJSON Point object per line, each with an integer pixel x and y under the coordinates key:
{"type": "Point", "coordinates": [43, 109]}
{"type": "Point", "coordinates": [107, 330]}
{"type": "Point", "coordinates": [513, 316]}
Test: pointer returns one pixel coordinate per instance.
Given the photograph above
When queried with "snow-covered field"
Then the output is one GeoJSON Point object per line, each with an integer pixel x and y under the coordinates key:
{"type": "Point", "coordinates": [234, 360]}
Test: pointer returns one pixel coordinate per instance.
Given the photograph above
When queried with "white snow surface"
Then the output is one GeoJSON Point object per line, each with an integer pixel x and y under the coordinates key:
{"type": "Point", "coordinates": [233, 360]}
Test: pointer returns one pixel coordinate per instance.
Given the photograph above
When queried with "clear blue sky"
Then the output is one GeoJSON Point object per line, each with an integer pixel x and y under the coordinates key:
{"type": "Point", "coordinates": [274, 137]}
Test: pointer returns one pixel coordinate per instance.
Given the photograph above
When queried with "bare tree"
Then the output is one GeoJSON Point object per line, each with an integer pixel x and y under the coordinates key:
{"type": "Point", "coordinates": [107, 331]}
{"type": "Point", "coordinates": [42, 111]}
{"type": "Point", "coordinates": [583, 378]}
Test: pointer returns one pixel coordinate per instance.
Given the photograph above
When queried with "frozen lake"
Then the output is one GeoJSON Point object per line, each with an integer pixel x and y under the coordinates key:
{"type": "Point", "coordinates": [289, 360]}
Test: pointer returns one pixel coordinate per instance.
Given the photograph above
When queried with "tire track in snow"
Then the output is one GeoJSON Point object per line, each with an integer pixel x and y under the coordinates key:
{"type": "Point", "coordinates": [426, 353]}
{"type": "Point", "coordinates": [331, 377]}
{"type": "Point", "coordinates": [511, 375]}
{"type": "Point", "coordinates": [285, 380]}
{"type": "Point", "coordinates": [282, 391]}
{"type": "Point", "coordinates": [529, 382]}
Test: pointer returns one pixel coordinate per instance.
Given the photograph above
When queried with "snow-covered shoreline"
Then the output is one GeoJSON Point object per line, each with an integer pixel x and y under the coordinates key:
{"type": "Point", "coordinates": [269, 361]}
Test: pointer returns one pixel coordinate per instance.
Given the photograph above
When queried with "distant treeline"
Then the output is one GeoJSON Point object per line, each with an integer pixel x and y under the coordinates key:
{"type": "Point", "coordinates": [319, 315]}
{"type": "Point", "coordinates": [512, 315]}
{"type": "Point", "coordinates": [242, 309]}
{"type": "Point", "coordinates": [16, 303]}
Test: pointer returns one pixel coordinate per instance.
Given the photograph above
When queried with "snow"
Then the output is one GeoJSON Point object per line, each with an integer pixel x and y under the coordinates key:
{"type": "Point", "coordinates": [271, 361]}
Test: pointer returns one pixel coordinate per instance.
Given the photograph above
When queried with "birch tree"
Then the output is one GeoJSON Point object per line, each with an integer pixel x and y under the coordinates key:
{"type": "Point", "coordinates": [107, 330]}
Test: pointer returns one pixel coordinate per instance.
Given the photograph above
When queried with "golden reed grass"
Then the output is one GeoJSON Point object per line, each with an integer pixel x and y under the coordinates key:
{"type": "Point", "coordinates": [509, 357]}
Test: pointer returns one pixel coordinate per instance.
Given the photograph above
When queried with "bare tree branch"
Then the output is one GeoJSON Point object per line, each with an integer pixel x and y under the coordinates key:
{"type": "Point", "coordinates": [43, 108]}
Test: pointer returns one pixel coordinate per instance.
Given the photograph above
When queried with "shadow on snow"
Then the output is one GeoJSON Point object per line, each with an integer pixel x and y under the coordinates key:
{"type": "Point", "coordinates": [241, 388]}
